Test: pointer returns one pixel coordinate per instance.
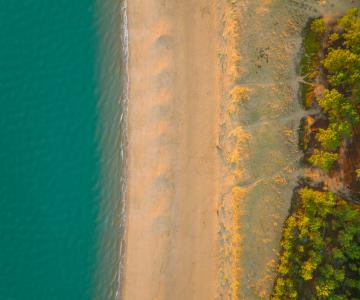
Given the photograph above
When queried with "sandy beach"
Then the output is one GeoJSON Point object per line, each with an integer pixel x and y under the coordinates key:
{"type": "Point", "coordinates": [173, 163]}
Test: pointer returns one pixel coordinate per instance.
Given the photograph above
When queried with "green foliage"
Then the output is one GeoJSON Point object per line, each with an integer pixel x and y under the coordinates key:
{"type": "Point", "coordinates": [343, 63]}
{"type": "Point", "coordinates": [329, 138]}
{"type": "Point", "coordinates": [320, 249]}
{"type": "Point", "coordinates": [311, 47]}
{"type": "Point", "coordinates": [348, 18]}
{"type": "Point", "coordinates": [348, 113]}
{"type": "Point", "coordinates": [342, 116]}
{"type": "Point", "coordinates": [308, 268]}
{"type": "Point", "coordinates": [325, 288]}
{"type": "Point", "coordinates": [323, 159]}
{"type": "Point", "coordinates": [338, 107]}
{"type": "Point", "coordinates": [318, 26]}
{"type": "Point", "coordinates": [334, 37]}
{"type": "Point", "coordinates": [343, 128]}
{"type": "Point", "coordinates": [342, 66]}
{"type": "Point", "coordinates": [307, 95]}
{"type": "Point", "coordinates": [331, 102]}
{"type": "Point", "coordinates": [358, 173]}
{"type": "Point", "coordinates": [350, 24]}
{"type": "Point", "coordinates": [320, 256]}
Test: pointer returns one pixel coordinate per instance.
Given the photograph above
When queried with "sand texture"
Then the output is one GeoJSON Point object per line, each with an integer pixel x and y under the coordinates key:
{"type": "Point", "coordinates": [173, 163]}
{"type": "Point", "coordinates": [212, 143]}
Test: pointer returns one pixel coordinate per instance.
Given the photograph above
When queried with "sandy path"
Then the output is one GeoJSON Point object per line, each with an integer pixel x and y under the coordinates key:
{"type": "Point", "coordinates": [173, 164]}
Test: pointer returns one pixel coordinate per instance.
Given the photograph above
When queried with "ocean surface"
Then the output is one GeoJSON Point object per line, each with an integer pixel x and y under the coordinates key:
{"type": "Point", "coordinates": [62, 105]}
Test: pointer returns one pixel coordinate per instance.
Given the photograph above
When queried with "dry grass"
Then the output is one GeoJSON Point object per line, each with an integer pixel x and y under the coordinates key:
{"type": "Point", "coordinates": [234, 140]}
{"type": "Point", "coordinates": [237, 196]}
{"type": "Point", "coordinates": [238, 95]}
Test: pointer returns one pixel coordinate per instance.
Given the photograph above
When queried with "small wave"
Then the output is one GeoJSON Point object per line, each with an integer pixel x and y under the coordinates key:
{"type": "Point", "coordinates": [112, 133]}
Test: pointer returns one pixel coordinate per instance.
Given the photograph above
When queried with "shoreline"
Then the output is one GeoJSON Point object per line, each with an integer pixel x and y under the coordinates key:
{"type": "Point", "coordinates": [112, 132]}
{"type": "Point", "coordinates": [171, 238]}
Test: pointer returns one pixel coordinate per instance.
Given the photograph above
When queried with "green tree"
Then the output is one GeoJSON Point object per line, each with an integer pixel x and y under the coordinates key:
{"type": "Point", "coordinates": [325, 288]}
{"type": "Point", "coordinates": [339, 274]}
{"type": "Point", "coordinates": [329, 138]}
{"type": "Point", "coordinates": [337, 254]}
{"type": "Point", "coordinates": [343, 67]}
{"type": "Point", "coordinates": [351, 16]}
{"type": "Point", "coordinates": [348, 113]}
{"type": "Point", "coordinates": [331, 102]}
{"type": "Point", "coordinates": [339, 110]}
{"type": "Point", "coordinates": [350, 24]}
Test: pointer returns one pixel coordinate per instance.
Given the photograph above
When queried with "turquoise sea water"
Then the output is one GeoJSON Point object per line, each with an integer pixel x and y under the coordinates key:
{"type": "Point", "coordinates": [58, 208]}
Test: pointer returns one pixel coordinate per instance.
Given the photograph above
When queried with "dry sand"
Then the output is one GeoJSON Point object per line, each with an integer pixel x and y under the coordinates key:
{"type": "Point", "coordinates": [173, 164]}
{"type": "Point", "coordinates": [211, 168]}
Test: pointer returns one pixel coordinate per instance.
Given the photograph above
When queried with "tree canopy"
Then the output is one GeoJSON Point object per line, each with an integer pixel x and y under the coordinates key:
{"type": "Point", "coordinates": [321, 249]}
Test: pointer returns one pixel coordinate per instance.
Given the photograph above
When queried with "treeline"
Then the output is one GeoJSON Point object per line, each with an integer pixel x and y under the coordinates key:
{"type": "Point", "coordinates": [320, 255]}
{"type": "Point", "coordinates": [340, 77]}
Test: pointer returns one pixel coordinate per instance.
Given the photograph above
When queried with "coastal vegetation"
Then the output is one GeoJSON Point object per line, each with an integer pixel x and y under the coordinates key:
{"type": "Point", "coordinates": [321, 249]}
{"type": "Point", "coordinates": [230, 144]}
{"type": "Point", "coordinates": [320, 255]}
{"type": "Point", "coordinates": [332, 66]}
{"type": "Point", "coordinates": [310, 60]}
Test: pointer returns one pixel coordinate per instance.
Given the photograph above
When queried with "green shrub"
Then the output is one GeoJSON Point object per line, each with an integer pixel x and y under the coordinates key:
{"type": "Point", "coordinates": [334, 37]}
{"type": "Point", "coordinates": [323, 159]}
{"type": "Point", "coordinates": [311, 48]}
{"type": "Point", "coordinates": [307, 95]}
{"type": "Point", "coordinates": [318, 26]}
{"type": "Point", "coordinates": [329, 138]}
